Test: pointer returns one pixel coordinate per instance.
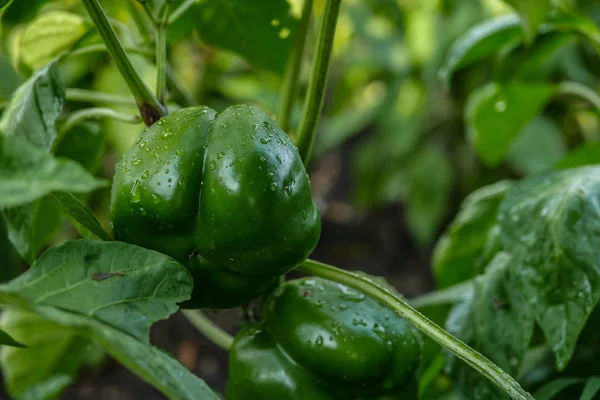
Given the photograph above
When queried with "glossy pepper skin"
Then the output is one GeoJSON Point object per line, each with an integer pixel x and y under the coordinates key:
{"type": "Point", "coordinates": [322, 340]}
{"type": "Point", "coordinates": [225, 194]}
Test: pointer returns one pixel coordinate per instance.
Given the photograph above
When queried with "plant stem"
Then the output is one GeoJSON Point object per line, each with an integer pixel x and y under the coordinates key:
{"type": "Point", "coordinates": [161, 55]}
{"type": "Point", "coordinates": [318, 79]}
{"type": "Point", "coordinates": [288, 92]}
{"type": "Point", "coordinates": [580, 90]}
{"type": "Point", "coordinates": [473, 358]}
{"type": "Point", "coordinates": [179, 11]}
{"type": "Point", "coordinates": [209, 329]}
{"type": "Point", "coordinates": [449, 295]}
{"type": "Point", "coordinates": [91, 96]}
{"type": "Point", "coordinates": [94, 113]}
{"type": "Point", "coordinates": [138, 19]}
{"type": "Point", "coordinates": [150, 108]}
{"type": "Point", "coordinates": [100, 48]}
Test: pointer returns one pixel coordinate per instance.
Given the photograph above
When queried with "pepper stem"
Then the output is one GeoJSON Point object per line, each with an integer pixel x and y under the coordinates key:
{"type": "Point", "coordinates": [318, 80]}
{"type": "Point", "coordinates": [212, 331]}
{"type": "Point", "coordinates": [150, 108]}
{"type": "Point", "coordinates": [472, 357]}
{"type": "Point", "coordinates": [290, 84]}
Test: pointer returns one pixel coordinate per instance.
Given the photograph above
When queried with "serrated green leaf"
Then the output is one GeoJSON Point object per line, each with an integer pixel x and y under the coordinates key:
{"type": "Point", "coordinates": [458, 255]}
{"type": "Point", "coordinates": [496, 114]}
{"type": "Point", "coordinates": [52, 359]}
{"type": "Point", "coordinates": [50, 35]}
{"type": "Point", "coordinates": [261, 31]}
{"type": "Point", "coordinates": [551, 224]}
{"type": "Point", "coordinates": [551, 389]}
{"type": "Point", "coordinates": [533, 13]}
{"type": "Point", "coordinates": [34, 108]}
{"type": "Point", "coordinates": [31, 226]}
{"type": "Point", "coordinates": [122, 285]}
{"type": "Point", "coordinates": [28, 173]}
{"type": "Point", "coordinates": [492, 320]}
{"type": "Point", "coordinates": [75, 208]}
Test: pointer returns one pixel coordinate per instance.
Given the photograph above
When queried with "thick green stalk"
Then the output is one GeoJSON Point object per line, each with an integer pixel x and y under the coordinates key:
{"type": "Point", "coordinates": [209, 329]}
{"type": "Point", "coordinates": [473, 358]}
{"type": "Point", "coordinates": [290, 85]}
{"type": "Point", "coordinates": [318, 79]}
{"type": "Point", "coordinates": [150, 108]}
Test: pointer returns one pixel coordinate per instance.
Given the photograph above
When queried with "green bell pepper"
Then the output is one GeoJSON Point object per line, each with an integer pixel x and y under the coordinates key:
{"type": "Point", "coordinates": [225, 194]}
{"type": "Point", "coordinates": [322, 340]}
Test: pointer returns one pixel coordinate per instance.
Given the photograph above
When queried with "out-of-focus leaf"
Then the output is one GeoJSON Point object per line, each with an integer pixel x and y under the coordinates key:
{"type": "Point", "coordinates": [261, 31]}
{"type": "Point", "coordinates": [496, 114]}
{"type": "Point", "coordinates": [31, 226]}
{"type": "Point", "coordinates": [34, 108]}
{"type": "Point", "coordinates": [22, 11]}
{"type": "Point", "coordinates": [591, 388]}
{"type": "Point", "coordinates": [10, 79]}
{"type": "Point", "coordinates": [458, 255]}
{"type": "Point", "coordinates": [538, 147]}
{"type": "Point", "coordinates": [7, 340]}
{"type": "Point", "coordinates": [83, 143]}
{"type": "Point", "coordinates": [429, 179]}
{"type": "Point", "coordinates": [4, 4]}
{"type": "Point", "coordinates": [49, 35]}
{"type": "Point", "coordinates": [587, 153]}
{"type": "Point", "coordinates": [551, 389]}
{"type": "Point", "coordinates": [50, 362]}
{"type": "Point", "coordinates": [76, 209]}
{"type": "Point", "coordinates": [551, 224]}
{"type": "Point", "coordinates": [481, 41]}
{"type": "Point", "coordinates": [533, 13]}
{"type": "Point", "coordinates": [10, 266]}
{"type": "Point", "coordinates": [28, 173]}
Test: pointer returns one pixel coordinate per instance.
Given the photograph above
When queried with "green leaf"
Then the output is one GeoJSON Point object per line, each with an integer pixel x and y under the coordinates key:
{"type": "Point", "coordinates": [591, 388]}
{"type": "Point", "coordinates": [533, 13]}
{"type": "Point", "coordinates": [538, 147]}
{"type": "Point", "coordinates": [587, 153]}
{"type": "Point", "coordinates": [4, 4]}
{"type": "Point", "coordinates": [481, 41]}
{"type": "Point", "coordinates": [496, 115]}
{"type": "Point", "coordinates": [10, 266]}
{"type": "Point", "coordinates": [33, 110]}
{"type": "Point", "coordinates": [31, 226]}
{"type": "Point", "coordinates": [50, 35]}
{"type": "Point", "coordinates": [122, 285]}
{"type": "Point", "coordinates": [112, 292]}
{"type": "Point", "coordinates": [76, 209]}
{"type": "Point", "coordinates": [492, 320]}
{"type": "Point", "coordinates": [458, 255]}
{"type": "Point", "coordinates": [153, 365]}
{"type": "Point", "coordinates": [7, 340]}
{"type": "Point", "coordinates": [83, 143]}
{"type": "Point", "coordinates": [54, 355]}
{"type": "Point", "coordinates": [427, 193]}
{"type": "Point", "coordinates": [10, 79]}
{"type": "Point", "coordinates": [28, 173]}
{"type": "Point", "coordinates": [261, 31]}
{"type": "Point", "coordinates": [551, 389]}
{"type": "Point", "coordinates": [500, 34]}
{"type": "Point", "coordinates": [551, 224]}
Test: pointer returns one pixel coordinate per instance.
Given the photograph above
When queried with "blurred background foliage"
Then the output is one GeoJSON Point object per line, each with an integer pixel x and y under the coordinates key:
{"type": "Point", "coordinates": [406, 126]}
